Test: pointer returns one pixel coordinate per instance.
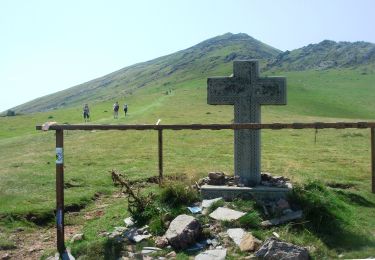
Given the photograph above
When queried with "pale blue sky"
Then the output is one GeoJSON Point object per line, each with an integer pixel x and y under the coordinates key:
{"type": "Point", "coordinates": [47, 46]}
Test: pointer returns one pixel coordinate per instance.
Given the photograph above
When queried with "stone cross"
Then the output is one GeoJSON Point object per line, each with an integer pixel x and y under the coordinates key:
{"type": "Point", "coordinates": [247, 92]}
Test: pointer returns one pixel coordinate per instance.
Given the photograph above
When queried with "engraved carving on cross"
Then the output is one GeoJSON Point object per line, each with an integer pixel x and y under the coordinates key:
{"type": "Point", "coordinates": [247, 92]}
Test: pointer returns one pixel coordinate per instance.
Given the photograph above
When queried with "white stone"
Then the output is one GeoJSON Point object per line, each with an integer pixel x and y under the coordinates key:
{"type": "Point", "coordinates": [214, 254]}
{"type": "Point", "coordinates": [76, 237]}
{"type": "Point", "coordinates": [129, 222]}
{"type": "Point", "coordinates": [222, 213]}
{"type": "Point", "coordinates": [139, 238]}
{"type": "Point", "coordinates": [152, 248]}
{"type": "Point", "coordinates": [236, 234]}
{"type": "Point", "coordinates": [208, 203]}
{"type": "Point", "coordinates": [136, 235]}
{"type": "Point", "coordinates": [147, 251]}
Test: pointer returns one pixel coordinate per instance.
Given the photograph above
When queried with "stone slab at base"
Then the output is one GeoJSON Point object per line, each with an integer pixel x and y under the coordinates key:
{"type": "Point", "coordinates": [229, 193]}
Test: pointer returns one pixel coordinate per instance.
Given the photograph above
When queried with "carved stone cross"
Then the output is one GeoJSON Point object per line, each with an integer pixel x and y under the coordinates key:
{"type": "Point", "coordinates": [247, 92]}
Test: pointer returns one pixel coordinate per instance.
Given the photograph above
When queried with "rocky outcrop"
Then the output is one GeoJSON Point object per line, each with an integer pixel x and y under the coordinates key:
{"type": "Point", "coordinates": [183, 231]}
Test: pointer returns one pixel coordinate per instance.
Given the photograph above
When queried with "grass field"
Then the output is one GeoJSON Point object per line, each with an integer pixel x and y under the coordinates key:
{"type": "Point", "coordinates": [27, 185]}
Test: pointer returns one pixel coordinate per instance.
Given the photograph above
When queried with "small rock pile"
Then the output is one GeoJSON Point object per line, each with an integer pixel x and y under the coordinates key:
{"type": "Point", "coordinates": [210, 240]}
{"type": "Point", "coordinates": [275, 181]}
{"type": "Point", "coordinates": [221, 179]}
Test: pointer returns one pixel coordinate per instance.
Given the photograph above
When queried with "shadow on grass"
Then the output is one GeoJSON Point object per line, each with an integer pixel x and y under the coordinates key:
{"type": "Point", "coordinates": [356, 199]}
{"type": "Point", "coordinates": [330, 216]}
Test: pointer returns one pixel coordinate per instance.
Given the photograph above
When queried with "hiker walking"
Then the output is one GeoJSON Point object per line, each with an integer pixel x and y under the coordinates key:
{"type": "Point", "coordinates": [125, 108]}
{"type": "Point", "coordinates": [86, 113]}
{"type": "Point", "coordinates": [116, 107]}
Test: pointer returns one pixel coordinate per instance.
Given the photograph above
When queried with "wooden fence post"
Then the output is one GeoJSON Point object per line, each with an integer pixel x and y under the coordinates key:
{"type": "Point", "coordinates": [60, 191]}
{"type": "Point", "coordinates": [373, 160]}
{"type": "Point", "coordinates": [160, 145]}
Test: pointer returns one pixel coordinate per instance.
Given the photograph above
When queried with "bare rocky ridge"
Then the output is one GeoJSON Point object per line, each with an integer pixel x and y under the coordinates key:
{"type": "Point", "coordinates": [325, 55]}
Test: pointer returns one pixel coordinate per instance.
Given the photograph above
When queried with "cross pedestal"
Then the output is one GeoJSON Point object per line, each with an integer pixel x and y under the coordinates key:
{"type": "Point", "coordinates": [247, 92]}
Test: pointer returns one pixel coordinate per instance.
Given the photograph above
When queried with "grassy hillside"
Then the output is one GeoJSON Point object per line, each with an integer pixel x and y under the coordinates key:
{"type": "Point", "coordinates": [173, 89]}
{"type": "Point", "coordinates": [195, 62]}
{"type": "Point", "coordinates": [27, 186]}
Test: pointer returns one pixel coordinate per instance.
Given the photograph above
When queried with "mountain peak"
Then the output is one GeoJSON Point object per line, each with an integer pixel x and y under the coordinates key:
{"type": "Point", "coordinates": [202, 60]}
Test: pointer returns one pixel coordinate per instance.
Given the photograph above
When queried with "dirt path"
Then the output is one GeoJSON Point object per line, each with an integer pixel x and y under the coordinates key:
{"type": "Point", "coordinates": [32, 245]}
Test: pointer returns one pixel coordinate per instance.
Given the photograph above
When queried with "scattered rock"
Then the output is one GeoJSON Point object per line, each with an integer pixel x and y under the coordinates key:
{"type": "Point", "coordinates": [5, 257]}
{"type": "Point", "coordinates": [161, 242]}
{"type": "Point", "coordinates": [249, 243]}
{"type": "Point", "coordinates": [214, 242]}
{"type": "Point", "coordinates": [137, 235]}
{"type": "Point", "coordinates": [282, 204]}
{"type": "Point", "coordinates": [283, 219]}
{"type": "Point", "coordinates": [246, 241]}
{"type": "Point", "coordinates": [117, 233]}
{"type": "Point", "coordinates": [275, 181]}
{"type": "Point", "coordinates": [274, 249]}
{"type": "Point", "coordinates": [76, 237]}
{"type": "Point", "coordinates": [149, 250]}
{"type": "Point", "coordinates": [35, 248]}
{"type": "Point", "coordinates": [55, 257]}
{"type": "Point", "coordinates": [183, 231]}
{"type": "Point", "coordinates": [216, 178]}
{"type": "Point", "coordinates": [208, 203]}
{"type": "Point", "coordinates": [214, 254]}
{"type": "Point", "coordinates": [222, 213]}
{"type": "Point", "coordinates": [236, 235]}
{"type": "Point", "coordinates": [171, 254]}
{"type": "Point", "coordinates": [129, 222]}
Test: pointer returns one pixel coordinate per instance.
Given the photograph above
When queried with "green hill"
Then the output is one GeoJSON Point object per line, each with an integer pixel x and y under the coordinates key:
{"type": "Point", "coordinates": [339, 158]}
{"type": "Point", "coordinates": [325, 55]}
{"type": "Point", "coordinates": [195, 62]}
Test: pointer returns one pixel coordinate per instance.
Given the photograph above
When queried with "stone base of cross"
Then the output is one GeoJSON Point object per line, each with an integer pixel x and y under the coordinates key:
{"type": "Point", "coordinates": [247, 92]}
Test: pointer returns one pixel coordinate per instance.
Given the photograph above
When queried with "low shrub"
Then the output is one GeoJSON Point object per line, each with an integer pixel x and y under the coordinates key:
{"type": "Point", "coordinates": [176, 194]}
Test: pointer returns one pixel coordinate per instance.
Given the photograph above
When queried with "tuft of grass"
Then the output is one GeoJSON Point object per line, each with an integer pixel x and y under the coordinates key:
{"type": "Point", "coordinates": [176, 194]}
{"type": "Point", "coordinates": [243, 205]}
{"type": "Point", "coordinates": [157, 226]}
{"type": "Point", "coordinates": [251, 220]}
{"type": "Point", "coordinates": [215, 205]}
